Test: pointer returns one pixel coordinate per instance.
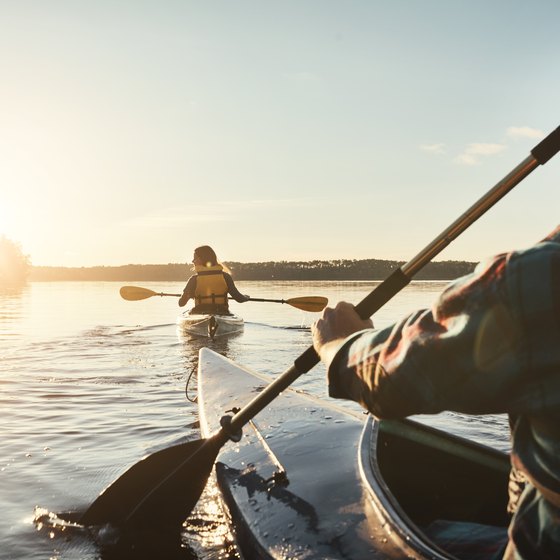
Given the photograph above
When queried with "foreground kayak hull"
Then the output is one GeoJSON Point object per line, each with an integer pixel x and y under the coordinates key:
{"type": "Point", "coordinates": [211, 326]}
{"type": "Point", "coordinates": [304, 480]}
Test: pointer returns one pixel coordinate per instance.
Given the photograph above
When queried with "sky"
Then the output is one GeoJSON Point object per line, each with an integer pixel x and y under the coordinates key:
{"type": "Point", "coordinates": [132, 132]}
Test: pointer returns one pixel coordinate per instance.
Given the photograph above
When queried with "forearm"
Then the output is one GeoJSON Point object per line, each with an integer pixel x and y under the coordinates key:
{"type": "Point", "coordinates": [465, 363]}
{"type": "Point", "coordinates": [188, 292]}
{"type": "Point", "coordinates": [233, 291]}
{"type": "Point", "coordinates": [352, 370]}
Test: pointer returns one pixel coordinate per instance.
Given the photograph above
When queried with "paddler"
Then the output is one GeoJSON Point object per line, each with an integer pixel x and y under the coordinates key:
{"type": "Point", "coordinates": [210, 286]}
{"type": "Point", "coordinates": [490, 344]}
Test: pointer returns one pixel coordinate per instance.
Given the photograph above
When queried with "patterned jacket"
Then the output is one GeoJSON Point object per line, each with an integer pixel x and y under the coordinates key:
{"type": "Point", "coordinates": [490, 344]}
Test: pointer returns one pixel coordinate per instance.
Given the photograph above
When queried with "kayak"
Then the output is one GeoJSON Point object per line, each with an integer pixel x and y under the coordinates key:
{"type": "Point", "coordinates": [211, 326]}
{"type": "Point", "coordinates": [311, 479]}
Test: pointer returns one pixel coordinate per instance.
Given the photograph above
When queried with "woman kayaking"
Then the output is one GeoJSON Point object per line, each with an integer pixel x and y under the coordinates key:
{"type": "Point", "coordinates": [211, 284]}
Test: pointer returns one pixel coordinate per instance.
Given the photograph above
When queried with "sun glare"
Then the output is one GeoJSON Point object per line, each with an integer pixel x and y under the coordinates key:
{"type": "Point", "coordinates": [13, 263]}
{"type": "Point", "coordinates": [7, 225]}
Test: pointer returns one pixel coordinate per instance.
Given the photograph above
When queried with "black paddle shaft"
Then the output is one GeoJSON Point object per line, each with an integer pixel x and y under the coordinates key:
{"type": "Point", "coordinates": [382, 293]}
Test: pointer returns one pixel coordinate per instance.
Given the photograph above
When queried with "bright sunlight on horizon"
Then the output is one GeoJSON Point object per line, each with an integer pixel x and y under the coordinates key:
{"type": "Point", "coordinates": [134, 132]}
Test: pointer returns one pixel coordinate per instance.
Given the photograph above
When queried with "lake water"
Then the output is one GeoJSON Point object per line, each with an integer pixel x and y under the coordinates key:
{"type": "Point", "coordinates": [90, 383]}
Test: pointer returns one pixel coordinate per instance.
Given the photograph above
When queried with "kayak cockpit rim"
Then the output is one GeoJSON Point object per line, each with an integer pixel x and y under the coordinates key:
{"type": "Point", "coordinates": [383, 500]}
{"type": "Point", "coordinates": [378, 435]}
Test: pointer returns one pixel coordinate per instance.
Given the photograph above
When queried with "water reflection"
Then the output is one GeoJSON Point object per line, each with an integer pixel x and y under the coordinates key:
{"type": "Point", "coordinates": [10, 303]}
{"type": "Point", "coordinates": [11, 311]}
{"type": "Point", "coordinates": [135, 373]}
{"type": "Point", "coordinates": [111, 543]}
{"type": "Point", "coordinates": [205, 534]}
{"type": "Point", "coordinates": [190, 347]}
{"type": "Point", "coordinates": [11, 290]}
{"type": "Point", "coordinates": [90, 383]}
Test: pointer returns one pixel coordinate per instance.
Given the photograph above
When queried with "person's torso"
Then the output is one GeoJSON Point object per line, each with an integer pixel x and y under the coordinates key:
{"type": "Point", "coordinates": [211, 286]}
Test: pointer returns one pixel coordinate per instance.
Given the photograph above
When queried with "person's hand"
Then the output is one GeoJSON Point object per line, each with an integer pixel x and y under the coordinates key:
{"type": "Point", "coordinates": [330, 331]}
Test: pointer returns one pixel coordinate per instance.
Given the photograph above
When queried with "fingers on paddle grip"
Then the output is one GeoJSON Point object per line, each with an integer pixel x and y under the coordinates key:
{"type": "Point", "coordinates": [225, 423]}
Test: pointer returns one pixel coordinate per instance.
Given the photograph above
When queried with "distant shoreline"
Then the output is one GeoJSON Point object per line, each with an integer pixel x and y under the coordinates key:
{"type": "Point", "coordinates": [366, 269]}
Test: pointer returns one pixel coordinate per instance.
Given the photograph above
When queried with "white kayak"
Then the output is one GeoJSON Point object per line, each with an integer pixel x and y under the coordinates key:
{"type": "Point", "coordinates": [312, 479]}
{"type": "Point", "coordinates": [208, 325]}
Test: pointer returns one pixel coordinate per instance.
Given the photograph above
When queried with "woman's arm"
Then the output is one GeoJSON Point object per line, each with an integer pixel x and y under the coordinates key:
{"type": "Point", "coordinates": [233, 291]}
{"type": "Point", "coordinates": [188, 292]}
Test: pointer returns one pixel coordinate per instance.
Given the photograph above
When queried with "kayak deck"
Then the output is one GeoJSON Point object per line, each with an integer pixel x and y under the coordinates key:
{"type": "Point", "coordinates": [208, 325]}
{"type": "Point", "coordinates": [319, 511]}
{"type": "Point", "coordinates": [307, 480]}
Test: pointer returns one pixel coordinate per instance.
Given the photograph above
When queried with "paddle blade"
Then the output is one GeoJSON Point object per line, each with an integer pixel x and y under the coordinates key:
{"type": "Point", "coordinates": [160, 490]}
{"type": "Point", "coordinates": [309, 303]}
{"type": "Point", "coordinates": [135, 293]}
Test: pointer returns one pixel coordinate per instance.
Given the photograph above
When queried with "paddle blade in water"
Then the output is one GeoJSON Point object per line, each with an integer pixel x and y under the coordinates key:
{"type": "Point", "coordinates": [314, 304]}
{"type": "Point", "coordinates": [160, 490]}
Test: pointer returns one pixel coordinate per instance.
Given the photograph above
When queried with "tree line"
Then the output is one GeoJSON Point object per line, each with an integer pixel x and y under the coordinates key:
{"type": "Point", "coordinates": [344, 269]}
{"type": "Point", "coordinates": [14, 265]}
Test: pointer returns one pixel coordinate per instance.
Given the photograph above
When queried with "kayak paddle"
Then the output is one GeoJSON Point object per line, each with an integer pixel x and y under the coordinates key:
{"type": "Point", "coordinates": [135, 293]}
{"type": "Point", "coordinates": [314, 304]}
{"type": "Point", "coordinates": [305, 303]}
{"type": "Point", "coordinates": [164, 487]}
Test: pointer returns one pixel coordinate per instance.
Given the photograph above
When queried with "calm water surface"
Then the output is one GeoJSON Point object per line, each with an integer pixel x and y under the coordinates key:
{"type": "Point", "coordinates": [90, 383]}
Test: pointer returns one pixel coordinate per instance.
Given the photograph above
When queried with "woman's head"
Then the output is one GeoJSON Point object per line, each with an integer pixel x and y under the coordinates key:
{"type": "Point", "coordinates": [205, 256]}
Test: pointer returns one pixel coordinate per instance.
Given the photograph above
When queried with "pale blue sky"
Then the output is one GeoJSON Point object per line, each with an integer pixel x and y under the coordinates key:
{"type": "Point", "coordinates": [133, 131]}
